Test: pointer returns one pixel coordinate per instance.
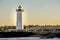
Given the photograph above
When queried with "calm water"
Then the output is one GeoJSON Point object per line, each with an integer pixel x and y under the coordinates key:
{"type": "Point", "coordinates": [28, 38]}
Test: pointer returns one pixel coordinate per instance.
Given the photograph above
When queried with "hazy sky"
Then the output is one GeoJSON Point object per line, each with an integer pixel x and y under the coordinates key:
{"type": "Point", "coordinates": [35, 11]}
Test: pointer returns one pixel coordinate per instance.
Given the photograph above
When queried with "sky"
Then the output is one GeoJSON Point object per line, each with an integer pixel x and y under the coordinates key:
{"type": "Point", "coordinates": [35, 12]}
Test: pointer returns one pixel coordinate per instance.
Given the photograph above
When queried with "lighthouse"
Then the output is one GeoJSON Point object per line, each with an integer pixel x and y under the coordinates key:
{"type": "Point", "coordinates": [19, 17]}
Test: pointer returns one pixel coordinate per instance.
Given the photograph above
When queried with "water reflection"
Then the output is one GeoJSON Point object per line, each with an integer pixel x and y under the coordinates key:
{"type": "Point", "coordinates": [21, 38]}
{"type": "Point", "coordinates": [28, 38]}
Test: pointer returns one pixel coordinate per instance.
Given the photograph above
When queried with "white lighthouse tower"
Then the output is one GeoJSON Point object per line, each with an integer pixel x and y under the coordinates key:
{"type": "Point", "coordinates": [19, 18]}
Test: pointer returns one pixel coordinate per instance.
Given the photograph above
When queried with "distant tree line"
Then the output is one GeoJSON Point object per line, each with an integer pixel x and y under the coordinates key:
{"type": "Point", "coordinates": [2, 28]}
{"type": "Point", "coordinates": [30, 26]}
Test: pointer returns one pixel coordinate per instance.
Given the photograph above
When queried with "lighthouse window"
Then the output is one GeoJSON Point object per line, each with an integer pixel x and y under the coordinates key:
{"type": "Point", "coordinates": [19, 9]}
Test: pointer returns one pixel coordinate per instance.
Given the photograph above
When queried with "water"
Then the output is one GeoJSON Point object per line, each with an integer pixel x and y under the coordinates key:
{"type": "Point", "coordinates": [28, 38]}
